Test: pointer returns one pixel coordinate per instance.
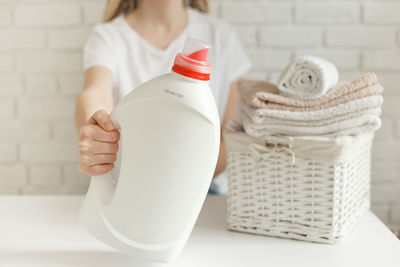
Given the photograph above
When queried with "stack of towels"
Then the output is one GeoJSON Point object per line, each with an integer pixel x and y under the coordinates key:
{"type": "Point", "coordinates": [309, 100]}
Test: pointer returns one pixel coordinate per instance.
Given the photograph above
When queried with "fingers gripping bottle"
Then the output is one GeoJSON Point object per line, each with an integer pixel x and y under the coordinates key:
{"type": "Point", "coordinates": [170, 136]}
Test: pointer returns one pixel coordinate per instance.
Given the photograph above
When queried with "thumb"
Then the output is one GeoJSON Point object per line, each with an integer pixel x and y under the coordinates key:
{"type": "Point", "coordinates": [102, 119]}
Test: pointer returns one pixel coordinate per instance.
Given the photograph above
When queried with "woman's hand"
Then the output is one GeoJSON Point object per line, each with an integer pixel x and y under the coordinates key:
{"type": "Point", "coordinates": [98, 144]}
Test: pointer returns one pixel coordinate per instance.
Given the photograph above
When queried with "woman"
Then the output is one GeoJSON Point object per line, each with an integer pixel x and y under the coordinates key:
{"type": "Point", "coordinates": [138, 41]}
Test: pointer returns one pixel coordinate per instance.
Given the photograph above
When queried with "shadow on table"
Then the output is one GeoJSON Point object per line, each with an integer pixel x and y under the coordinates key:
{"type": "Point", "coordinates": [72, 258]}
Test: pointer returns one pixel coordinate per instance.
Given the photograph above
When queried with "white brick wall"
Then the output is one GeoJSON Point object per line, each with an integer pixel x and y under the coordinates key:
{"type": "Point", "coordinates": [251, 12]}
{"type": "Point", "coordinates": [40, 84]}
{"type": "Point", "coordinates": [6, 63]}
{"type": "Point", "coordinates": [47, 14]}
{"type": "Point", "coordinates": [6, 15]}
{"type": "Point", "coordinates": [382, 12]}
{"type": "Point", "coordinates": [291, 36]}
{"type": "Point", "coordinates": [327, 12]}
{"type": "Point", "coordinates": [361, 36]}
{"type": "Point", "coordinates": [40, 73]}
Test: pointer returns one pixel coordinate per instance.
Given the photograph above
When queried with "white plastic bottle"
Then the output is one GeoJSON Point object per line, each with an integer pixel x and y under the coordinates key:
{"type": "Point", "coordinates": [170, 136]}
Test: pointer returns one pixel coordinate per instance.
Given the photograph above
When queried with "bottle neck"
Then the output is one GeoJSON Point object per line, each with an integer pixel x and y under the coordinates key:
{"type": "Point", "coordinates": [190, 73]}
{"type": "Point", "coordinates": [186, 78]}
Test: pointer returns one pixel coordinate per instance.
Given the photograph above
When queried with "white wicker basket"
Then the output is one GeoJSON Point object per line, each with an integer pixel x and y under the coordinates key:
{"type": "Point", "coordinates": [306, 188]}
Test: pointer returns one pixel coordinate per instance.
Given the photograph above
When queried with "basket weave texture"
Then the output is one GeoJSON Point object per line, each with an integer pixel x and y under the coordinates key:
{"type": "Point", "coordinates": [306, 188]}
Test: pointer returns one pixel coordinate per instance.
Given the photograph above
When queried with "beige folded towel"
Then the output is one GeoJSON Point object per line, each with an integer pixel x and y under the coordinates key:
{"type": "Point", "coordinates": [261, 94]}
{"type": "Point", "coordinates": [260, 115]}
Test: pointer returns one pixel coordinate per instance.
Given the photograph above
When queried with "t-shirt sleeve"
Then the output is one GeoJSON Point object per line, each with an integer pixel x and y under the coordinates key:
{"type": "Point", "coordinates": [98, 50]}
{"type": "Point", "coordinates": [234, 63]}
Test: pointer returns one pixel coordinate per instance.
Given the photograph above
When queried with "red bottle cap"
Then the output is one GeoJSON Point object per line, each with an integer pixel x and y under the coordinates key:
{"type": "Point", "coordinates": [194, 61]}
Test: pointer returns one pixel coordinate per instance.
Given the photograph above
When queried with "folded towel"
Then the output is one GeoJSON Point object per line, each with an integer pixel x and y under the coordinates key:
{"type": "Point", "coordinates": [377, 111]}
{"type": "Point", "coordinates": [262, 94]}
{"type": "Point", "coordinates": [308, 77]}
{"type": "Point", "coordinates": [345, 109]}
{"type": "Point", "coordinates": [351, 126]}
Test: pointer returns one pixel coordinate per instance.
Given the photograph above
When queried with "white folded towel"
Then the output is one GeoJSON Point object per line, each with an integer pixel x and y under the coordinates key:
{"type": "Point", "coordinates": [308, 77]}
{"type": "Point", "coordinates": [258, 115]}
{"type": "Point", "coordinates": [310, 123]}
{"type": "Point", "coordinates": [351, 118]}
{"type": "Point", "coordinates": [351, 126]}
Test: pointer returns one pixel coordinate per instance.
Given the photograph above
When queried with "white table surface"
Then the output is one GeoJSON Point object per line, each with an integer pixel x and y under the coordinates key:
{"type": "Point", "coordinates": [43, 231]}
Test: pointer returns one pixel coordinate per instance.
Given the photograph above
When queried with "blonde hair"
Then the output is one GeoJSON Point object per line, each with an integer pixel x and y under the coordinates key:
{"type": "Point", "coordinates": [116, 7]}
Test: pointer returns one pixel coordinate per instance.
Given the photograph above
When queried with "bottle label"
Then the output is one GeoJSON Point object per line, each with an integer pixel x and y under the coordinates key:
{"type": "Point", "coordinates": [168, 91]}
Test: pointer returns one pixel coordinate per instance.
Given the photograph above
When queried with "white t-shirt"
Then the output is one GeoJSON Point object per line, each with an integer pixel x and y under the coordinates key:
{"type": "Point", "coordinates": [133, 61]}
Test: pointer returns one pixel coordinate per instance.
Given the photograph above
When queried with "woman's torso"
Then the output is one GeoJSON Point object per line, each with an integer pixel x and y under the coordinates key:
{"type": "Point", "coordinates": [137, 61]}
